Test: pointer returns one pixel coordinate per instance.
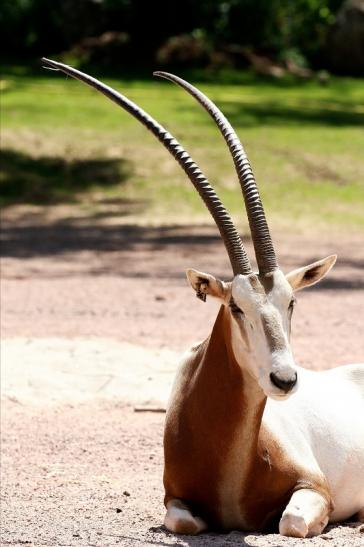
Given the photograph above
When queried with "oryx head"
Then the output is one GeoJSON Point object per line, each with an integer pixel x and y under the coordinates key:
{"type": "Point", "coordinates": [260, 304]}
{"type": "Point", "coordinates": [260, 308]}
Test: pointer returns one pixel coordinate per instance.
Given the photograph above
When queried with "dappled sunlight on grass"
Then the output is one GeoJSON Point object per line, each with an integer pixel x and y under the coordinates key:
{"type": "Point", "coordinates": [304, 140]}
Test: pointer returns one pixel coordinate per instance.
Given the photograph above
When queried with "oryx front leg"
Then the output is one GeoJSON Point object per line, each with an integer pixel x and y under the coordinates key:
{"type": "Point", "coordinates": [306, 515]}
{"type": "Point", "coordinates": [180, 520]}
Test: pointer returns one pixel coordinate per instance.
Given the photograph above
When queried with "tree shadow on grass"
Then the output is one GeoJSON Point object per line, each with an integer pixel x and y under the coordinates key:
{"type": "Point", "coordinates": [47, 180]}
{"type": "Point", "coordinates": [274, 113]}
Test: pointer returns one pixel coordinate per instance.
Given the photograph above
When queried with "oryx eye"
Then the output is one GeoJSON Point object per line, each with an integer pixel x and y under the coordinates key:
{"type": "Point", "coordinates": [234, 308]}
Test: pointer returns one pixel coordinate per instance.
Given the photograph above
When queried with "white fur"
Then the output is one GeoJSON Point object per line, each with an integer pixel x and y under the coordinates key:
{"type": "Point", "coordinates": [322, 428]}
{"type": "Point", "coordinates": [253, 350]}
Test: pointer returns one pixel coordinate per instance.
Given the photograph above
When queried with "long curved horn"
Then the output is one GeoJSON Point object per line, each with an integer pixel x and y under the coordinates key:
{"type": "Point", "coordinates": [238, 257]}
{"type": "Point", "coordinates": [262, 240]}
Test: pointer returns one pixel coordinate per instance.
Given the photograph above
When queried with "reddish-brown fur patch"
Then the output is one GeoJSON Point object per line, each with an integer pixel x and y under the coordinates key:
{"type": "Point", "coordinates": [201, 429]}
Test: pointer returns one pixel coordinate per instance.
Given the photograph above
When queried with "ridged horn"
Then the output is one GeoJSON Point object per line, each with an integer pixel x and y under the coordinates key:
{"type": "Point", "coordinates": [263, 245]}
{"type": "Point", "coordinates": [238, 257]}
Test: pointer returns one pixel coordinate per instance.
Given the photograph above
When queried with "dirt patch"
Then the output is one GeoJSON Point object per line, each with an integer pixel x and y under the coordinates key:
{"type": "Point", "coordinates": [91, 474]}
{"type": "Point", "coordinates": [57, 370]}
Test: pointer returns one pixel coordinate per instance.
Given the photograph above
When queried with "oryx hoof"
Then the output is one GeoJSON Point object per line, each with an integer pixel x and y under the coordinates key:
{"type": "Point", "coordinates": [293, 525]}
{"type": "Point", "coordinates": [180, 520]}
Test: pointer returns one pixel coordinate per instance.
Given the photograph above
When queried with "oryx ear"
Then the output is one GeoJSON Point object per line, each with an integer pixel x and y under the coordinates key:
{"type": "Point", "coordinates": [205, 284]}
{"type": "Point", "coordinates": [311, 274]}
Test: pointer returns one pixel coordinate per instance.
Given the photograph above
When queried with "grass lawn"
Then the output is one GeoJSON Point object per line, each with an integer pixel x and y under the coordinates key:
{"type": "Point", "coordinates": [63, 142]}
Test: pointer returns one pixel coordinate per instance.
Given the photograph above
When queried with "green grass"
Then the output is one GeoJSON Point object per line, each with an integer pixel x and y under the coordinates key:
{"type": "Point", "coordinates": [64, 142]}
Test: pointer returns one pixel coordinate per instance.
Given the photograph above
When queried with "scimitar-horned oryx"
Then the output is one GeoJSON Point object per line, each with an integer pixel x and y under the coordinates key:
{"type": "Point", "coordinates": [249, 435]}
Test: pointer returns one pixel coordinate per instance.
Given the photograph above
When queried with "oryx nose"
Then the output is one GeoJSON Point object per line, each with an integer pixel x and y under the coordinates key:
{"type": "Point", "coordinates": [284, 385]}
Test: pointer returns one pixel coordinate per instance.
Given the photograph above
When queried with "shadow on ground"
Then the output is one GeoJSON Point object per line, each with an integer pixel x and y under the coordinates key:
{"type": "Point", "coordinates": [77, 235]}
{"type": "Point", "coordinates": [45, 180]}
{"type": "Point", "coordinates": [130, 250]}
{"type": "Point", "coordinates": [315, 112]}
{"type": "Point", "coordinates": [309, 113]}
{"type": "Point", "coordinates": [250, 539]}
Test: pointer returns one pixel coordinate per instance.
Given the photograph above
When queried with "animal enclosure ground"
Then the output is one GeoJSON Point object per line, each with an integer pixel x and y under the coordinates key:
{"type": "Point", "coordinates": [88, 470]}
{"type": "Point", "coordinates": [90, 475]}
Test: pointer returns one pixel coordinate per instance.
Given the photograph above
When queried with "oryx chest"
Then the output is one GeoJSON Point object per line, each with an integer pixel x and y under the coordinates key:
{"type": "Point", "coordinates": [235, 471]}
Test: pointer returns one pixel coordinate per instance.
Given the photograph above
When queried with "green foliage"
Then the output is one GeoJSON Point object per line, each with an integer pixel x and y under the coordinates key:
{"type": "Point", "coordinates": [276, 27]}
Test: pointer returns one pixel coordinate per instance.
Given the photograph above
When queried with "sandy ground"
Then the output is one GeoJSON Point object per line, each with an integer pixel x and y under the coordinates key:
{"type": "Point", "coordinates": [94, 318]}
